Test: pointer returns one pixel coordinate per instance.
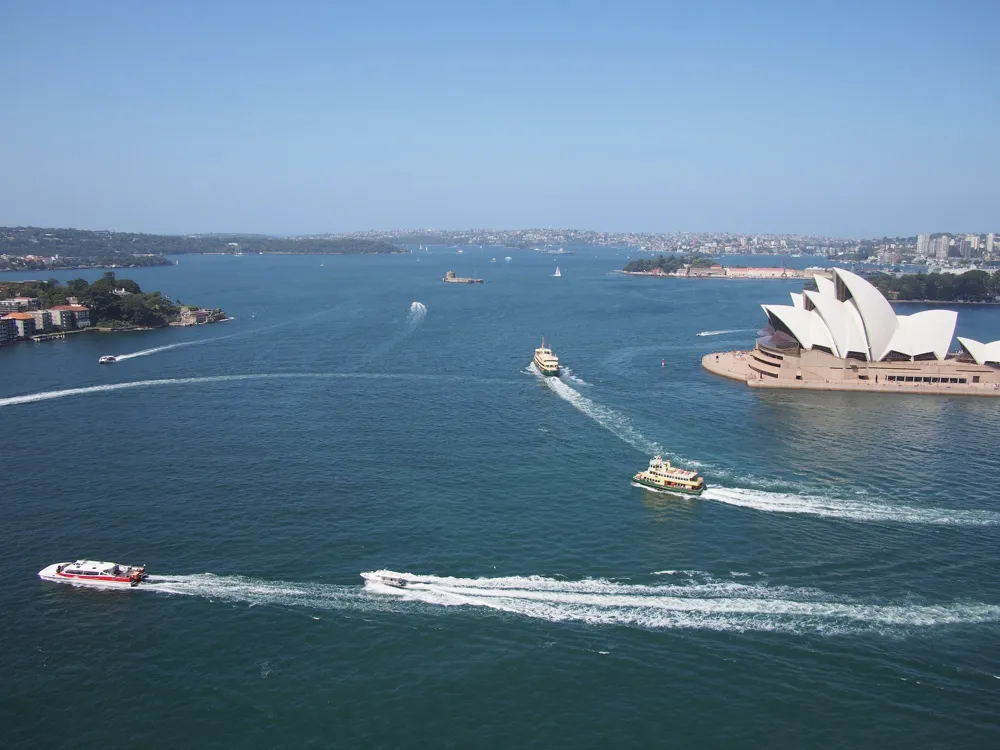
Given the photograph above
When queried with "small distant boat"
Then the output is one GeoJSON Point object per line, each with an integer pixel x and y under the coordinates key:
{"type": "Point", "coordinates": [108, 359]}
{"type": "Point", "coordinates": [546, 361]}
{"type": "Point", "coordinates": [662, 476]}
{"type": "Point", "coordinates": [97, 574]}
{"type": "Point", "coordinates": [386, 580]}
{"type": "Point", "coordinates": [508, 259]}
{"type": "Point", "coordinates": [558, 272]}
{"type": "Point", "coordinates": [460, 251]}
{"type": "Point", "coordinates": [494, 260]}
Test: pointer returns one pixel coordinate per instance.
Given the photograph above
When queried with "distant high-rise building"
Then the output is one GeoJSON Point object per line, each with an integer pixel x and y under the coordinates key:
{"type": "Point", "coordinates": [943, 243]}
{"type": "Point", "coordinates": [989, 243]}
{"type": "Point", "coordinates": [922, 244]}
{"type": "Point", "coordinates": [965, 247]}
{"type": "Point", "coordinates": [973, 241]}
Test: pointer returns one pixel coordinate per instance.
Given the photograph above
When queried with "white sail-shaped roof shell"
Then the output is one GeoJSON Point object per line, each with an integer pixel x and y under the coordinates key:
{"type": "Point", "coordinates": [927, 332]}
{"type": "Point", "coordinates": [981, 352]}
{"type": "Point", "coordinates": [876, 313]}
{"type": "Point", "coordinates": [825, 286]}
{"type": "Point", "coordinates": [806, 325]}
{"type": "Point", "coordinates": [851, 317]}
{"type": "Point", "coordinates": [843, 321]}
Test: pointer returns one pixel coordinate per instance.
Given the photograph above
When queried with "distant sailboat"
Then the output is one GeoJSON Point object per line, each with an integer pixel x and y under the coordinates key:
{"type": "Point", "coordinates": [558, 272]}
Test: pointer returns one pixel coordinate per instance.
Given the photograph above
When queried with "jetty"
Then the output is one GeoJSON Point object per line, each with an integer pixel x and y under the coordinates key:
{"type": "Point", "coordinates": [452, 278]}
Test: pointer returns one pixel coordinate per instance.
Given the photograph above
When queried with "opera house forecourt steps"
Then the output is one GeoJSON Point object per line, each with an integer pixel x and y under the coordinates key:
{"type": "Point", "coordinates": [845, 336]}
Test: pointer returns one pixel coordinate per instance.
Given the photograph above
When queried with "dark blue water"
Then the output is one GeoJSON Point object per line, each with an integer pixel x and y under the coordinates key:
{"type": "Point", "coordinates": [838, 584]}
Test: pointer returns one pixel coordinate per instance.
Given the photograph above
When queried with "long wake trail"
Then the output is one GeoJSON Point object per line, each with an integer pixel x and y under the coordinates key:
{"type": "Point", "coordinates": [110, 387]}
{"type": "Point", "coordinates": [238, 334]}
{"type": "Point", "coordinates": [724, 332]}
{"type": "Point", "coordinates": [147, 352]}
{"type": "Point", "coordinates": [767, 501]}
{"type": "Point", "coordinates": [700, 602]}
{"type": "Point", "coordinates": [690, 600]}
{"type": "Point", "coordinates": [615, 423]}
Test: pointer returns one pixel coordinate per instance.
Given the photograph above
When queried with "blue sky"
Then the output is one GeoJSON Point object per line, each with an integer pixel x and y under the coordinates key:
{"type": "Point", "coordinates": [841, 118]}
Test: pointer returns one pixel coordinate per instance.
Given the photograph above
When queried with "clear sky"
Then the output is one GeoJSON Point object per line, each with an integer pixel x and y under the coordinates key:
{"type": "Point", "coordinates": [824, 117]}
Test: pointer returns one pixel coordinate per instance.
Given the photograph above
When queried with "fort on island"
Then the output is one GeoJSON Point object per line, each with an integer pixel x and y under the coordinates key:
{"type": "Point", "coordinates": [845, 336]}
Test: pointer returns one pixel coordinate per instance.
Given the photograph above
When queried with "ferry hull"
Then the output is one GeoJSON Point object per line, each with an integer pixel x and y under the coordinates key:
{"type": "Point", "coordinates": [662, 488]}
{"type": "Point", "coordinates": [98, 582]}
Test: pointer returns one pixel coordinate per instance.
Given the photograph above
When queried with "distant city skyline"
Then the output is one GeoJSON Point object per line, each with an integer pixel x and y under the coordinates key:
{"type": "Point", "coordinates": [314, 118]}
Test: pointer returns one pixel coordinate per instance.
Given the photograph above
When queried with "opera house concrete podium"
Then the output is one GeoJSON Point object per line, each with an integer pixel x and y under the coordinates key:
{"type": "Point", "coordinates": [846, 336]}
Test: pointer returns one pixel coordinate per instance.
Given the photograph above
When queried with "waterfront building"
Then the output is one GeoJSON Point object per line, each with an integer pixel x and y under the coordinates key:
{"type": "Point", "coordinates": [24, 322]}
{"type": "Point", "coordinates": [923, 244]}
{"type": "Point", "coordinates": [8, 331]}
{"type": "Point", "coordinates": [68, 317]}
{"type": "Point", "coordinates": [43, 320]}
{"type": "Point", "coordinates": [19, 304]}
{"type": "Point", "coordinates": [845, 336]}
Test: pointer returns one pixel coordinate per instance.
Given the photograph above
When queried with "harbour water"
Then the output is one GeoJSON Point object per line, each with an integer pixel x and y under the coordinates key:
{"type": "Point", "coordinates": [837, 584]}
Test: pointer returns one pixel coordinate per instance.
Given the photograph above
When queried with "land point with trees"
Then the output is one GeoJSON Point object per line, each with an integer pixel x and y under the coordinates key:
{"type": "Point", "coordinates": [113, 302]}
{"type": "Point", "coordinates": [667, 263]}
{"type": "Point", "coordinates": [34, 248]}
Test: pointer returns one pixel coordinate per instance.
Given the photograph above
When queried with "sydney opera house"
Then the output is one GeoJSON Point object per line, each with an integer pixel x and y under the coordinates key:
{"type": "Point", "coordinates": [846, 336]}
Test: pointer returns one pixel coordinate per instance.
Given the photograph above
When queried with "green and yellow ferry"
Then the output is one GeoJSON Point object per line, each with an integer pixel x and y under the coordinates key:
{"type": "Point", "coordinates": [546, 362]}
{"type": "Point", "coordinates": [662, 476]}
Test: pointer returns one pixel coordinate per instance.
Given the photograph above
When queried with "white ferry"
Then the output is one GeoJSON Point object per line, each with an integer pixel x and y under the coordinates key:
{"type": "Point", "coordinates": [97, 574]}
{"type": "Point", "coordinates": [546, 361]}
{"type": "Point", "coordinates": [662, 476]}
{"type": "Point", "coordinates": [108, 359]}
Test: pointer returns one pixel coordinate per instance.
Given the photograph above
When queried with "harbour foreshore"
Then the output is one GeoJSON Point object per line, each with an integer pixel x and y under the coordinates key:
{"type": "Point", "coordinates": [735, 365]}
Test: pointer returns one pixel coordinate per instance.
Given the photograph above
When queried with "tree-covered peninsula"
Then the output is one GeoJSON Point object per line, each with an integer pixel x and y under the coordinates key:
{"type": "Point", "coordinates": [666, 263]}
{"type": "Point", "coordinates": [113, 302]}
{"type": "Point", "coordinates": [29, 248]}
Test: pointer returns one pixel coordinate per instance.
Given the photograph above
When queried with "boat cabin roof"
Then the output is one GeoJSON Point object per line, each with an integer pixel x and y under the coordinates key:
{"type": "Point", "coordinates": [91, 565]}
{"type": "Point", "coordinates": [657, 463]}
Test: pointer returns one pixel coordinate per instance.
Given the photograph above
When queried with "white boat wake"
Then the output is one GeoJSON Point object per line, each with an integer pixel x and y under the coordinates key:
{"type": "Point", "coordinates": [688, 600]}
{"type": "Point", "coordinates": [29, 398]}
{"type": "Point", "coordinates": [701, 602]}
{"type": "Point", "coordinates": [147, 352]}
{"type": "Point", "coordinates": [615, 423]}
{"type": "Point", "coordinates": [722, 333]}
{"type": "Point", "coordinates": [867, 509]}
{"type": "Point", "coordinates": [853, 510]}
{"type": "Point", "coordinates": [418, 311]}
{"type": "Point", "coordinates": [572, 376]}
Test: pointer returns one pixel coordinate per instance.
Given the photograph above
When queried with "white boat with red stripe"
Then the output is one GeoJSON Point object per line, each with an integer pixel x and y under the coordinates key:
{"type": "Point", "coordinates": [107, 575]}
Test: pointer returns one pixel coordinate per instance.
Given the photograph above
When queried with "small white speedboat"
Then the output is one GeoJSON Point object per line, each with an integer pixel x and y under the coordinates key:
{"type": "Point", "coordinates": [397, 582]}
{"type": "Point", "coordinates": [108, 359]}
{"type": "Point", "coordinates": [93, 573]}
